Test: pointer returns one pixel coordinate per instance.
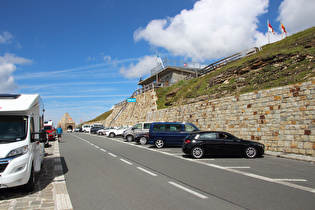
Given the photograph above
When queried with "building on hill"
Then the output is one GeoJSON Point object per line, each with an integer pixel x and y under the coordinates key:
{"type": "Point", "coordinates": [169, 76]}
{"type": "Point", "coordinates": [170, 72]}
{"type": "Point", "coordinates": [66, 122]}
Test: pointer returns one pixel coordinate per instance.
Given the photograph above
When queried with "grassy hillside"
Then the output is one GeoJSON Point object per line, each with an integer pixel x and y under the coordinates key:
{"type": "Point", "coordinates": [102, 117]}
{"type": "Point", "coordinates": [288, 61]}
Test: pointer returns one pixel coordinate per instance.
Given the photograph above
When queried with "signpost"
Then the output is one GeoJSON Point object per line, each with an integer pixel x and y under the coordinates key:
{"type": "Point", "coordinates": [131, 100]}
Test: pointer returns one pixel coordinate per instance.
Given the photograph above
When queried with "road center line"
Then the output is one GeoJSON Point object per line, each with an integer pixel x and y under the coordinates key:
{"type": "Point", "coordinates": [237, 167]}
{"type": "Point", "coordinates": [291, 180]}
{"type": "Point", "coordinates": [112, 154]}
{"type": "Point", "coordinates": [146, 171]}
{"type": "Point", "coordinates": [125, 161]}
{"type": "Point", "coordinates": [188, 190]}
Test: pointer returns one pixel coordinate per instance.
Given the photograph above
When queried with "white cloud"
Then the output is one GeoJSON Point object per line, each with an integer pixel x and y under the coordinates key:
{"type": "Point", "coordinates": [7, 67]}
{"type": "Point", "coordinates": [212, 29]}
{"type": "Point", "coordinates": [297, 15]}
{"type": "Point", "coordinates": [143, 67]}
{"type": "Point", "coordinates": [5, 37]}
{"type": "Point", "coordinates": [7, 83]}
{"type": "Point", "coordinates": [107, 58]}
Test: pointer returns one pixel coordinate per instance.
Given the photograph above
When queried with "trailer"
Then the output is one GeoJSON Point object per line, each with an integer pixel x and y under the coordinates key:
{"type": "Point", "coordinates": [21, 139]}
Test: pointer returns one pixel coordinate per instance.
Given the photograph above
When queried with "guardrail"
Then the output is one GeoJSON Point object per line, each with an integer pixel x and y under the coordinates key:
{"type": "Point", "coordinates": [228, 60]}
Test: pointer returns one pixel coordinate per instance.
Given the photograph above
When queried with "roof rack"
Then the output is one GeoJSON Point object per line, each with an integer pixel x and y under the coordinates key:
{"type": "Point", "coordinates": [9, 96]}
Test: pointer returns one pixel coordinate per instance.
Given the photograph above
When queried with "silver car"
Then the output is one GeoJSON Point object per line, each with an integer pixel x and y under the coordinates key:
{"type": "Point", "coordinates": [138, 128]}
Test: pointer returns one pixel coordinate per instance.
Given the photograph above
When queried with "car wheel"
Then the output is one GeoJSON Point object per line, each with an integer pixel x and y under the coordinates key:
{"type": "Point", "coordinates": [130, 138]}
{"type": "Point", "coordinates": [143, 140]}
{"type": "Point", "coordinates": [30, 185]}
{"type": "Point", "coordinates": [159, 143]}
{"type": "Point", "coordinates": [197, 152]}
{"type": "Point", "coordinates": [250, 152]}
{"type": "Point", "coordinates": [112, 135]}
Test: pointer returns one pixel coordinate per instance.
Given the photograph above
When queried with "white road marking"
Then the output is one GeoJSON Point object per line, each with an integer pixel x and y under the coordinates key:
{"type": "Point", "coordinates": [146, 171]}
{"type": "Point", "coordinates": [126, 161]}
{"type": "Point", "coordinates": [291, 180]}
{"type": "Point", "coordinates": [188, 190]}
{"type": "Point", "coordinates": [237, 167]}
{"type": "Point", "coordinates": [112, 154]}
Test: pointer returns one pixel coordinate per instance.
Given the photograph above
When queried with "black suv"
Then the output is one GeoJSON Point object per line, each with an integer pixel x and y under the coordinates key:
{"type": "Point", "coordinates": [95, 129]}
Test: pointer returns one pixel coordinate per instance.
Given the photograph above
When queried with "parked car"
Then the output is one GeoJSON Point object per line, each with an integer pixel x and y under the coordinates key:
{"type": "Point", "coordinates": [115, 132]}
{"type": "Point", "coordinates": [50, 131]}
{"type": "Point", "coordinates": [78, 130]}
{"type": "Point", "coordinates": [142, 138]}
{"type": "Point", "coordinates": [138, 128]}
{"type": "Point", "coordinates": [169, 133]}
{"type": "Point", "coordinates": [94, 129]}
{"type": "Point", "coordinates": [103, 131]}
{"type": "Point", "coordinates": [86, 128]}
{"type": "Point", "coordinates": [199, 144]}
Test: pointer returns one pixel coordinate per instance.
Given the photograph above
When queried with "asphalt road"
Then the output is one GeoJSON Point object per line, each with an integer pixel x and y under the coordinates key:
{"type": "Point", "coordinates": [105, 173]}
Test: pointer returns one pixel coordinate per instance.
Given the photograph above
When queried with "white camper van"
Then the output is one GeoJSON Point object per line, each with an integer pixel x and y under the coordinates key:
{"type": "Point", "coordinates": [21, 134]}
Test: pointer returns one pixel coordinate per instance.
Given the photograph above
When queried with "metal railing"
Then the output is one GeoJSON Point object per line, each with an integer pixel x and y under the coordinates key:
{"type": "Point", "coordinates": [228, 60]}
{"type": "Point", "coordinates": [188, 65]}
{"type": "Point", "coordinates": [176, 63]}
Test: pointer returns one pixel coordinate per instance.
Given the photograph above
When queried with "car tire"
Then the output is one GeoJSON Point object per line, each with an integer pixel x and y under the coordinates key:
{"type": "Point", "coordinates": [159, 143]}
{"type": "Point", "coordinates": [250, 152]}
{"type": "Point", "coordinates": [197, 152]}
{"type": "Point", "coordinates": [30, 185]}
{"type": "Point", "coordinates": [143, 140]}
{"type": "Point", "coordinates": [112, 135]}
{"type": "Point", "coordinates": [129, 138]}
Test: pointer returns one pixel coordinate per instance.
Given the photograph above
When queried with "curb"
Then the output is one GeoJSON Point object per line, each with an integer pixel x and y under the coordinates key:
{"type": "Point", "coordinates": [61, 196]}
{"type": "Point", "coordinates": [291, 156]}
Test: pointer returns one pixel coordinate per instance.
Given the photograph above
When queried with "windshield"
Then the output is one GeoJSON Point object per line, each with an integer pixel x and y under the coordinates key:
{"type": "Point", "coordinates": [47, 128]}
{"type": "Point", "coordinates": [13, 128]}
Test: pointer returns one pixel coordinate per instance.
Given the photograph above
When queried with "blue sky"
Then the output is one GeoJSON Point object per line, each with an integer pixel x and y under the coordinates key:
{"type": "Point", "coordinates": [84, 56]}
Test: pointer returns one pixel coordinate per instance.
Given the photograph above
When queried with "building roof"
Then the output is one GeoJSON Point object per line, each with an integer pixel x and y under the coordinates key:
{"type": "Point", "coordinates": [165, 71]}
{"type": "Point", "coordinates": [66, 119]}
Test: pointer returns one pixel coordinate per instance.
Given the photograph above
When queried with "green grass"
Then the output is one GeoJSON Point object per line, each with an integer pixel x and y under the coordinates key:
{"type": "Point", "coordinates": [285, 62]}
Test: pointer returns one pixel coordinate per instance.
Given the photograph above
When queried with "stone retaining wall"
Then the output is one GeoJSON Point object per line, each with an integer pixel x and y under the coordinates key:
{"type": "Point", "coordinates": [281, 118]}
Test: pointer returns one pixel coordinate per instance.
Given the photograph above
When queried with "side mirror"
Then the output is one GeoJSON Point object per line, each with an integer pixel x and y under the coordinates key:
{"type": "Point", "coordinates": [39, 136]}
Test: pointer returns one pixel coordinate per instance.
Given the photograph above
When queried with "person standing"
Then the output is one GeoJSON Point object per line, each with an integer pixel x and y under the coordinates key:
{"type": "Point", "coordinates": [59, 132]}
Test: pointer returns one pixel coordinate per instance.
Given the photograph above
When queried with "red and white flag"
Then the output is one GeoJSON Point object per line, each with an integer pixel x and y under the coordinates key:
{"type": "Point", "coordinates": [270, 29]}
{"type": "Point", "coordinates": [283, 28]}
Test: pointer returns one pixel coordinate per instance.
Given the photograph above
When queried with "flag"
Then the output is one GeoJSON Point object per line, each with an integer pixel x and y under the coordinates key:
{"type": "Point", "coordinates": [185, 65]}
{"type": "Point", "coordinates": [270, 29]}
{"type": "Point", "coordinates": [283, 28]}
{"type": "Point", "coordinates": [159, 60]}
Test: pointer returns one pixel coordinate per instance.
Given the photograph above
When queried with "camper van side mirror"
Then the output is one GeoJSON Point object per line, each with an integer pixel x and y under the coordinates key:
{"type": "Point", "coordinates": [39, 136]}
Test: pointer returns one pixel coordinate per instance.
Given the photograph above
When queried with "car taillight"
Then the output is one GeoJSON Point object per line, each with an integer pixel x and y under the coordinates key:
{"type": "Point", "coordinates": [187, 141]}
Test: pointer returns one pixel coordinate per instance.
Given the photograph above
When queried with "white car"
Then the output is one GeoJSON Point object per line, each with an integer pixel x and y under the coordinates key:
{"type": "Point", "coordinates": [116, 132]}
{"type": "Point", "coordinates": [103, 131]}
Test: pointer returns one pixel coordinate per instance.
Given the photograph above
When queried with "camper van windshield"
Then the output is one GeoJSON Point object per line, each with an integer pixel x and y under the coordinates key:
{"type": "Point", "coordinates": [13, 128]}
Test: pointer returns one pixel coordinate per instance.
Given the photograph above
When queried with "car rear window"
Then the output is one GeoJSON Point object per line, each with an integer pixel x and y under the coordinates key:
{"type": "Point", "coordinates": [205, 136]}
{"type": "Point", "coordinates": [189, 128]}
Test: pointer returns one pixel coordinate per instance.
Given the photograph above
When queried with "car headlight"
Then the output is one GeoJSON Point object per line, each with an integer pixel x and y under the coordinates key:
{"type": "Point", "coordinates": [18, 151]}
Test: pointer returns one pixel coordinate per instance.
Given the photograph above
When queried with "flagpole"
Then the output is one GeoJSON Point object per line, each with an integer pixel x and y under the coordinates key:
{"type": "Point", "coordinates": [157, 63]}
{"type": "Point", "coordinates": [281, 30]}
{"type": "Point", "coordinates": [268, 31]}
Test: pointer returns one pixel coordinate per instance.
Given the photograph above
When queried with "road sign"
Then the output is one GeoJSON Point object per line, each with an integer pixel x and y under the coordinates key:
{"type": "Point", "coordinates": [131, 100]}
